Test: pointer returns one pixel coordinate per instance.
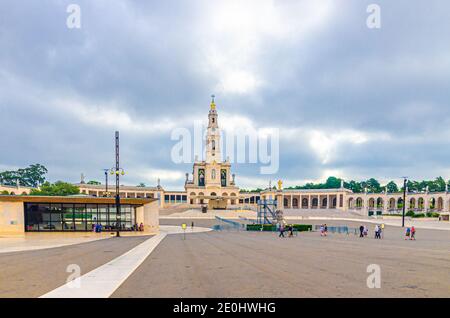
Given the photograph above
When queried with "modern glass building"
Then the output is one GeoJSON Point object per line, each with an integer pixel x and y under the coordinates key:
{"type": "Point", "coordinates": [41, 217]}
{"type": "Point", "coordinates": [21, 214]}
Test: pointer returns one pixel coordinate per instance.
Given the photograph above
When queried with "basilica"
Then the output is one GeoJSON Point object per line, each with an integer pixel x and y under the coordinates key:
{"type": "Point", "coordinates": [212, 181]}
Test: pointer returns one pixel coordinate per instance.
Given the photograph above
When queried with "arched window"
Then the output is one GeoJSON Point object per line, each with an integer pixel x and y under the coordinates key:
{"type": "Point", "coordinates": [304, 203]}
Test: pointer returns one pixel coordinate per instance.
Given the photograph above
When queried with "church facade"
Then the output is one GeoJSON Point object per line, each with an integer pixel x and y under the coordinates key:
{"type": "Point", "coordinates": [212, 182]}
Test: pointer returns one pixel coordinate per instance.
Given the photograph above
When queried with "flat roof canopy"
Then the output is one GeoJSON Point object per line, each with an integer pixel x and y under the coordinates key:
{"type": "Point", "coordinates": [72, 199]}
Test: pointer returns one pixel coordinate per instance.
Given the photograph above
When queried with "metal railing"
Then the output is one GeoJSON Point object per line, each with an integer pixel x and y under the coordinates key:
{"type": "Point", "coordinates": [227, 225]}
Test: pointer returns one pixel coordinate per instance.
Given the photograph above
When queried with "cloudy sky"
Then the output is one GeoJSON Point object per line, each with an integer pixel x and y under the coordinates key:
{"type": "Point", "coordinates": [348, 101]}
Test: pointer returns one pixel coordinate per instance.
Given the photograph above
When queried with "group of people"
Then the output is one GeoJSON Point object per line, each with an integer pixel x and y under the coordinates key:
{"type": "Point", "coordinates": [410, 233]}
{"type": "Point", "coordinates": [282, 229]}
{"type": "Point", "coordinates": [98, 228]}
{"type": "Point", "coordinates": [323, 230]}
{"type": "Point", "coordinates": [378, 230]}
{"type": "Point", "coordinates": [363, 231]}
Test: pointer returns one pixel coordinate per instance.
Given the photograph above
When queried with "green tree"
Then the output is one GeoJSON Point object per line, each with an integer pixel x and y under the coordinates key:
{"type": "Point", "coordinates": [355, 186]}
{"type": "Point", "coordinates": [93, 182]}
{"type": "Point", "coordinates": [33, 176]}
{"type": "Point", "coordinates": [392, 187]}
{"type": "Point", "coordinates": [333, 183]}
{"type": "Point", "coordinates": [438, 185]}
{"type": "Point", "coordinates": [141, 185]}
{"type": "Point", "coordinates": [58, 188]}
{"type": "Point", "coordinates": [373, 185]}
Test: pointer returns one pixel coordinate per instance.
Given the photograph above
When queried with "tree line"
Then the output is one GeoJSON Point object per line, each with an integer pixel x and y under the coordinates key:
{"type": "Point", "coordinates": [374, 186]}
{"type": "Point", "coordinates": [34, 176]}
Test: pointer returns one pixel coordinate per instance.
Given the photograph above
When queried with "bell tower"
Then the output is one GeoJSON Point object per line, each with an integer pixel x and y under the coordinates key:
{"type": "Point", "coordinates": [213, 135]}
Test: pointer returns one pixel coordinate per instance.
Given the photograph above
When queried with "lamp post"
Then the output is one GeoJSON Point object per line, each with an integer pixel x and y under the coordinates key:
{"type": "Point", "coordinates": [106, 182]}
{"type": "Point", "coordinates": [405, 180]}
{"type": "Point", "coordinates": [117, 171]}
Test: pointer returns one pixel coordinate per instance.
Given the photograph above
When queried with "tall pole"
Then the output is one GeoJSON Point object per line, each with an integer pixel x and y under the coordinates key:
{"type": "Point", "coordinates": [106, 182]}
{"type": "Point", "coordinates": [404, 201]}
{"type": "Point", "coordinates": [117, 186]}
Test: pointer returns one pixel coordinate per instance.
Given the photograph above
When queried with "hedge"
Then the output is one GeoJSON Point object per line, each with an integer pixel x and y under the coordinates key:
{"type": "Point", "coordinates": [272, 228]}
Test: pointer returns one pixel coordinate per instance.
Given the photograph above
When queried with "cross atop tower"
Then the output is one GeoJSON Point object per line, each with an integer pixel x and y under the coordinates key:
{"type": "Point", "coordinates": [213, 105]}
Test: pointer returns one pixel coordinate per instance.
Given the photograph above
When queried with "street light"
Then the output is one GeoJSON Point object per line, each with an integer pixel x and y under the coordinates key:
{"type": "Point", "coordinates": [405, 181]}
{"type": "Point", "coordinates": [118, 172]}
{"type": "Point", "coordinates": [106, 182]}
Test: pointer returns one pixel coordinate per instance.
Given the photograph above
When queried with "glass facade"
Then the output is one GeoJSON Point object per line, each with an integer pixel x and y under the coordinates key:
{"type": "Point", "coordinates": [44, 217]}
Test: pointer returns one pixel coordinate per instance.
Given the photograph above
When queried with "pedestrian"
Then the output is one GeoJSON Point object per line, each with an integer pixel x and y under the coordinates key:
{"type": "Point", "coordinates": [322, 230]}
{"type": "Point", "coordinates": [361, 231]}
{"type": "Point", "coordinates": [192, 225]}
{"type": "Point", "coordinates": [325, 229]}
{"type": "Point", "coordinates": [141, 227]}
{"type": "Point", "coordinates": [366, 231]}
{"type": "Point", "coordinates": [413, 233]}
{"type": "Point", "coordinates": [281, 231]}
{"type": "Point", "coordinates": [407, 233]}
{"type": "Point", "coordinates": [382, 230]}
{"type": "Point", "coordinates": [377, 233]}
{"type": "Point", "coordinates": [291, 231]}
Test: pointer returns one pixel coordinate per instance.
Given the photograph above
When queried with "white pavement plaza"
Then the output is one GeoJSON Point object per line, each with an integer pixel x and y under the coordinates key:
{"type": "Point", "coordinates": [104, 280]}
{"type": "Point", "coordinates": [34, 242]}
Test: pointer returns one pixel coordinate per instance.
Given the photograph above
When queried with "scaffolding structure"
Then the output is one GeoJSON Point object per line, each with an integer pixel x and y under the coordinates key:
{"type": "Point", "coordinates": [268, 213]}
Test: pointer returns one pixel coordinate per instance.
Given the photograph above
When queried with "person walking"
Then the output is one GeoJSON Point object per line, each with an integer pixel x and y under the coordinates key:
{"type": "Point", "coordinates": [413, 233]}
{"type": "Point", "coordinates": [366, 231]}
{"type": "Point", "coordinates": [322, 230]}
{"type": "Point", "coordinates": [407, 233]}
{"type": "Point", "coordinates": [192, 225]}
{"type": "Point", "coordinates": [281, 231]}
{"type": "Point", "coordinates": [291, 231]}
{"type": "Point", "coordinates": [377, 233]}
{"type": "Point", "coordinates": [381, 230]}
{"type": "Point", "coordinates": [361, 231]}
{"type": "Point", "coordinates": [325, 229]}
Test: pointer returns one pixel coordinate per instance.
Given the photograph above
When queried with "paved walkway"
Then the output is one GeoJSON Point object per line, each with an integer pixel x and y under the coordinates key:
{"type": "Point", "coordinates": [36, 272]}
{"type": "Point", "coordinates": [40, 241]}
{"type": "Point", "coordinates": [259, 265]}
{"type": "Point", "coordinates": [104, 280]}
